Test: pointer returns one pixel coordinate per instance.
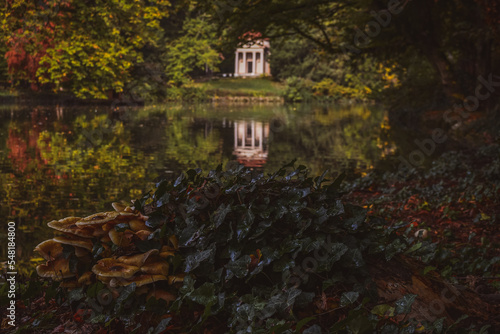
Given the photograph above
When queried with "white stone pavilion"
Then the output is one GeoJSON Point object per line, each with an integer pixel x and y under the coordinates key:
{"type": "Point", "coordinates": [251, 59]}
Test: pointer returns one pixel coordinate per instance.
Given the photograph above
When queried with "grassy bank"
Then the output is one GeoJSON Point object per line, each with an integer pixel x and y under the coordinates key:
{"type": "Point", "coordinates": [251, 87]}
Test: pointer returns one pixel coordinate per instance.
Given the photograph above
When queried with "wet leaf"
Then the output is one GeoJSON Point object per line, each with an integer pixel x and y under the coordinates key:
{"type": "Point", "coordinates": [404, 304]}
{"type": "Point", "coordinates": [348, 298]}
{"type": "Point", "coordinates": [162, 326]}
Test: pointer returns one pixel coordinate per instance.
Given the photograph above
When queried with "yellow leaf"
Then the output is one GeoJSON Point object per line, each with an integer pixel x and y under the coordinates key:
{"type": "Point", "coordinates": [484, 216]}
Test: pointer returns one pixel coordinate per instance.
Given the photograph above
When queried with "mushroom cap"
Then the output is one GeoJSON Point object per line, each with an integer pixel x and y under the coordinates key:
{"type": "Point", "coordinates": [98, 231]}
{"type": "Point", "coordinates": [56, 269]}
{"type": "Point", "coordinates": [106, 227]}
{"type": "Point", "coordinates": [143, 234]}
{"type": "Point", "coordinates": [98, 218]}
{"type": "Point", "coordinates": [141, 280]}
{"type": "Point", "coordinates": [155, 266]}
{"type": "Point", "coordinates": [121, 239]}
{"type": "Point", "coordinates": [110, 267]}
{"type": "Point", "coordinates": [81, 252]}
{"type": "Point", "coordinates": [119, 207]}
{"type": "Point", "coordinates": [105, 238]}
{"type": "Point", "coordinates": [138, 225]}
{"type": "Point", "coordinates": [175, 279]}
{"type": "Point", "coordinates": [173, 240]}
{"type": "Point", "coordinates": [86, 278]}
{"type": "Point", "coordinates": [124, 209]}
{"type": "Point", "coordinates": [166, 254]}
{"type": "Point", "coordinates": [49, 249]}
{"type": "Point", "coordinates": [68, 225]}
{"type": "Point", "coordinates": [138, 259]}
{"type": "Point", "coordinates": [166, 251]}
{"type": "Point", "coordinates": [104, 279]}
{"type": "Point", "coordinates": [74, 241]}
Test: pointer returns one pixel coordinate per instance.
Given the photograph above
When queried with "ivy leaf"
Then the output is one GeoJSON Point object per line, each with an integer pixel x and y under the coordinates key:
{"type": "Point", "coordinates": [75, 295]}
{"type": "Point", "coordinates": [320, 179]}
{"type": "Point", "coordinates": [348, 298]}
{"type": "Point", "coordinates": [155, 220]}
{"type": "Point", "coordinates": [303, 322]}
{"type": "Point", "coordinates": [413, 248]}
{"type": "Point", "coordinates": [162, 326]}
{"type": "Point", "coordinates": [383, 310]}
{"type": "Point", "coordinates": [404, 304]}
{"type": "Point", "coordinates": [194, 260]}
{"type": "Point", "coordinates": [244, 226]}
{"type": "Point", "coordinates": [335, 252]}
{"type": "Point", "coordinates": [204, 295]}
{"type": "Point", "coordinates": [314, 329]}
{"type": "Point", "coordinates": [192, 173]}
{"type": "Point", "coordinates": [220, 214]}
{"type": "Point", "coordinates": [94, 289]}
{"type": "Point", "coordinates": [179, 180]}
{"type": "Point", "coordinates": [124, 295]}
{"type": "Point", "coordinates": [334, 187]}
{"type": "Point", "coordinates": [239, 267]}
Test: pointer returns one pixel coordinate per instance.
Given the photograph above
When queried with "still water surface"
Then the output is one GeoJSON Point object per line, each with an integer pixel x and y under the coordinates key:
{"type": "Point", "coordinates": [59, 162]}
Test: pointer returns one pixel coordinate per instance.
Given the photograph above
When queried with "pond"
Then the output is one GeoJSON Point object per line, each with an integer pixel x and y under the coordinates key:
{"type": "Point", "coordinates": [57, 162]}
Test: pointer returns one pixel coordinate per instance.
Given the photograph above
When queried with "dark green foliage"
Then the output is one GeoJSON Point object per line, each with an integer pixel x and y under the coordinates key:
{"type": "Point", "coordinates": [256, 249]}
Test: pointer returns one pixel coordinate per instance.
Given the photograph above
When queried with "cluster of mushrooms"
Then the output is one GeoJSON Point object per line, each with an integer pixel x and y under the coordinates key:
{"type": "Point", "coordinates": [112, 237]}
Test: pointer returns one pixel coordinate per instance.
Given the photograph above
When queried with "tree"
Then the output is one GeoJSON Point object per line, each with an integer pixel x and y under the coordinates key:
{"type": "Point", "coordinates": [194, 49]}
{"type": "Point", "coordinates": [86, 47]}
{"type": "Point", "coordinates": [448, 35]}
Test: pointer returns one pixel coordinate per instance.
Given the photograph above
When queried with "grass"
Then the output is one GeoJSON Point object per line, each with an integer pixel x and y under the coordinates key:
{"type": "Point", "coordinates": [243, 87]}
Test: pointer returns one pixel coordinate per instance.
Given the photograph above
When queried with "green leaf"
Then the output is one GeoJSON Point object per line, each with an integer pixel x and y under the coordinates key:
{"type": "Point", "coordinates": [243, 227]}
{"type": "Point", "coordinates": [204, 295]}
{"type": "Point", "coordinates": [194, 260]}
{"type": "Point", "coordinates": [239, 267]}
{"type": "Point", "coordinates": [124, 295]}
{"type": "Point", "coordinates": [303, 322]}
{"type": "Point", "coordinates": [413, 248]}
{"type": "Point", "coordinates": [76, 295]}
{"type": "Point", "coordinates": [428, 269]}
{"type": "Point", "coordinates": [383, 310]}
{"type": "Point", "coordinates": [94, 289]}
{"type": "Point", "coordinates": [348, 298]}
{"type": "Point", "coordinates": [334, 187]}
{"type": "Point", "coordinates": [438, 325]}
{"type": "Point", "coordinates": [314, 329]}
{"type": "Point", "coordinates": [404, 304]}
{"type": "Point", "coordinates": [320, 179]}
{"type": "Point", "coordinates": [155, 220]}
{"type": "Point", "coordinates": [162, 326]}
{"type": "Point", "coordinates": [219, 215]}
{"type": "Point", "coordinates": [335, 252]}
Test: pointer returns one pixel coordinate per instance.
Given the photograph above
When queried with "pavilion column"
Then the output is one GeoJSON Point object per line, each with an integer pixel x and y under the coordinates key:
{"type": "Point", "coordinates": [254, 64]}
{"type": "Point", "coordinates": [235, 124]}
{"type": "Point", "coordinates": [261, 136]}
{"type": "Point", "coordinates": [236, 64]}
{"type": "Point", "coordinates": [253, 134]}
{"type": "Point", "coordinates": [245, 61]}
{"type": "Point", "coordinates": [243, 141]}
{"type": "Point", "coordinates": [262, 63]}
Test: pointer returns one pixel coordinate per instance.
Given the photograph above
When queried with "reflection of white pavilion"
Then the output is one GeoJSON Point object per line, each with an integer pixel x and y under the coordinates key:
{"type": "Point", "coordinates": [250, 143]}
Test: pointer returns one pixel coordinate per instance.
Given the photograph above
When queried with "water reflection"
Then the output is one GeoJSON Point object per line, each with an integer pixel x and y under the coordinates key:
{"type": "Point", "coordinates": [61, 161]}
{"type": "Point", "coordinates": [250, 143]}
